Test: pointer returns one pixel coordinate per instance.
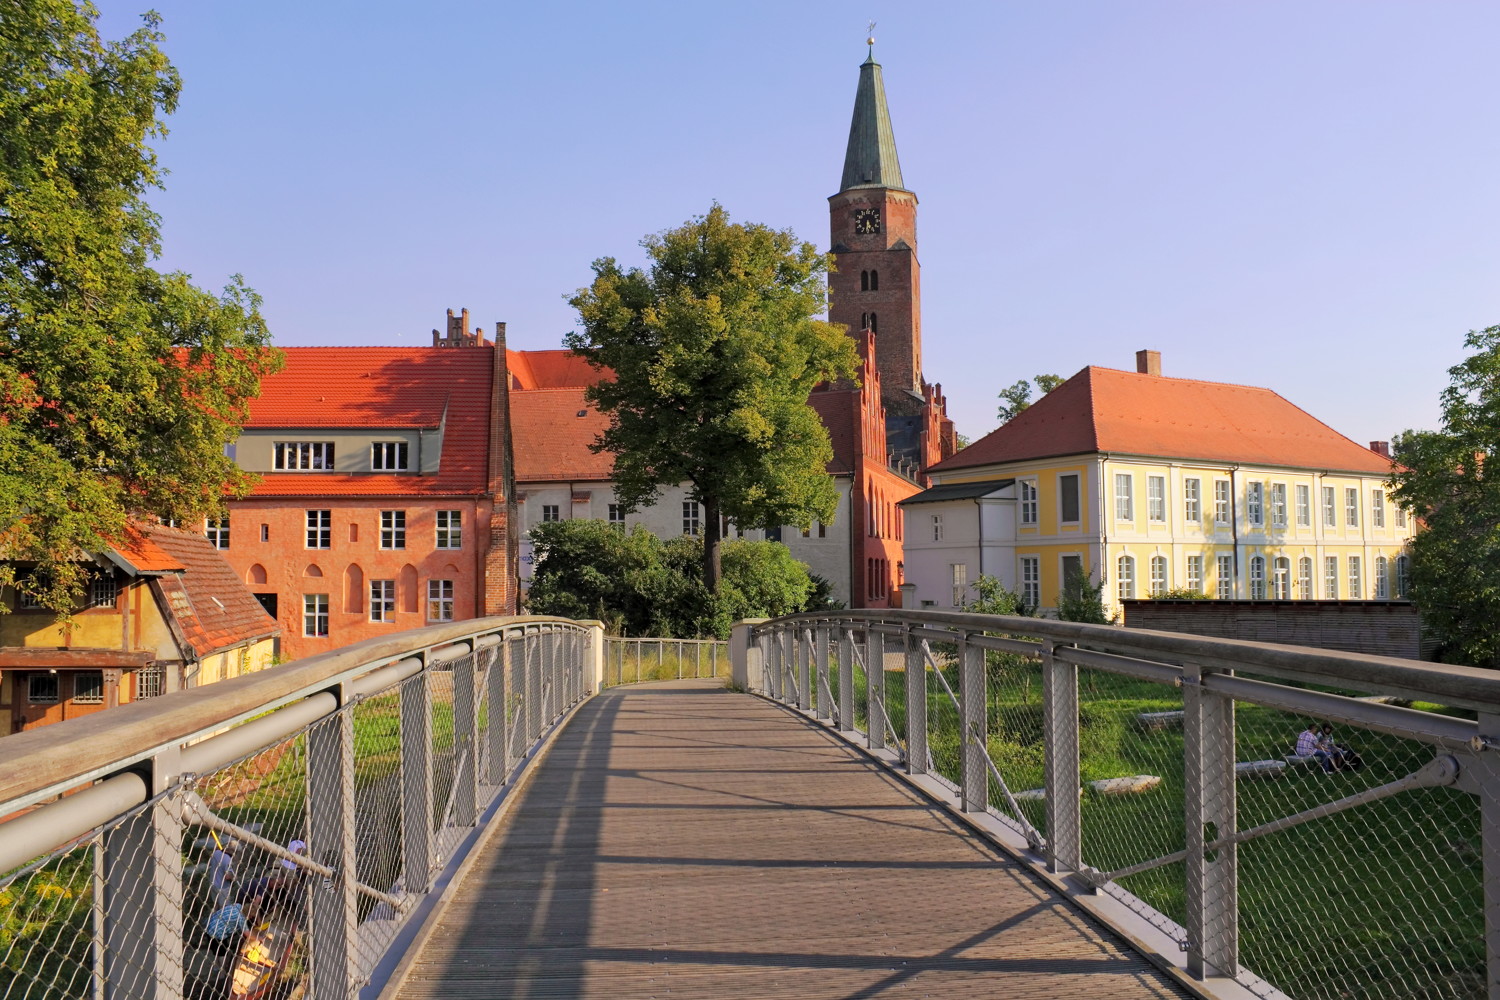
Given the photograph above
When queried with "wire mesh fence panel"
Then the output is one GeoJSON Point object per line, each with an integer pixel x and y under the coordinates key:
{"type": "Point", "coordinates": [377, 818]}
{"type": "Point", "coordinates": [1130, 741]}
{"type": "Point", "coordinates": [244, 907]}
{"type": "Point", "coordinates": [1014, 742]}
{"type": "Point", "coordinates": [444, 758]}
{"type": "Point", "coordinates": [1377, 900]}
{"type": "Point", "coordinates": [47, 923]}
{"type": "Point", "coordinates": [944, 739]}
{"type": "Point", "coordinates": [860, 653]}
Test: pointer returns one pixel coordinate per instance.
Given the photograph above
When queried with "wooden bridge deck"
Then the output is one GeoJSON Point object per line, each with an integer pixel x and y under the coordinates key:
{"type": "Point", "coordinates": [684, 841]}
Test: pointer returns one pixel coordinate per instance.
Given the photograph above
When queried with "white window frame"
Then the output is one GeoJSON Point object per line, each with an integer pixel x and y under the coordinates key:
{"type": "Point", "coordinates": [1029, 514]}
{"type": "Point", "coordinates": [302, 456]}
{"type": "Point", "coordinates": [1062, 494]}
{"type": "Point", "coordinates": [216, 530]}
{"type": "Point", "coordinates": [449, 530]}
{"type": "Point", "coordinates": [440, 600]}
{"type": "Point", "coordinates": [1305, 578]}
{"type": "Point", "coordinates": [1156, 499]}
{"type": "Point", "coordinates": [393, 529]}
{"type": "Point", "coordinates": [1281, 579]}
{"type": "Point", "coordinates": [615, 514]}
{"type": "Point", "coordinates": [1381, 573]}
{"type": "Point", "coordinates": [389, 456]}
{"type": "Point", "coordinates": [1257, 577]}
{"type": "Point", "coordinates": [1158, 575]}
{"type": "Point", "coordinates": [1195, 573]}
{"type": "Point", "coordinates": [937, 527]}
{"type": "Point", "coordinates": [959, 573]}
{"type": "Point", "coordinates": [1124, 496]}
{"type": "Point", "coordinates": [1351, 506]}
{"type": "Point", "coordinates": [104, 591]}
{"type": "Point", "coordinates": [1403, 576]}
{"type": "Point", "coordinates": [551, 513]}
{"type": "Point", "coordinates": [1377, 508]}
{"type": "Point", "coordinates": [1255, 510]}
{"type": "Point", "coordinates": [1329, 498]}
{"type": "Point", "coordinates": [1221, 502]}
{"type": "Point", "coordinates": [1192, 501]}
{"type": "Point", "coordinates": [1224, 585]}
{"type": "Point", "coordinates": [319, 529]}
{"type": "Point", "coordinates": [382, 600]}
{"type": "Point", "coordinates": [692, 518]}
{"type": "Point", "coordinates": [1031, 581]}
{"type": "Point", "coordinates": [1125, 578]}
{"type": "Point", "coordinates": [1400, 516]}
{"type": "Point", "coordinates": [314, 616]}
{"type": "Point", "coordinates": [1304, 506]}
{"type": "Point", "coordinates": [1356, 580]}
{"type": "Point", "coordinates": [1278, 505]}
{"type": "Point", "coordinates": [1330, 577]}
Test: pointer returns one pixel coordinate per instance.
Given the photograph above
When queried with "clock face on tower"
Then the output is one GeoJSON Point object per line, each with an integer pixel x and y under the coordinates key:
{"type": "Point", "coordinates": [867, 221]}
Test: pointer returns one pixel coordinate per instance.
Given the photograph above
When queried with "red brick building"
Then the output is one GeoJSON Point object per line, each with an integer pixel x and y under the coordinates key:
{"type": "Point", "coordinates": [384, 502]}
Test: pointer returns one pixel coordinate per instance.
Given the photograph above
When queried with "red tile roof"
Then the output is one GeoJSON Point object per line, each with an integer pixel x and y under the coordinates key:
{"type": "Point", "coordinates": [551, 440]}
{"type": "Point", "coordinates": [373, 387]}
{"type": "Point", "coordinates": [213, 609]}
{"type": "Point", "coordinates": [549, 370]}
{"type": "Point", "coordinates": [1128, 413]}
{"type": "Point", "coordinates": [143, 555]}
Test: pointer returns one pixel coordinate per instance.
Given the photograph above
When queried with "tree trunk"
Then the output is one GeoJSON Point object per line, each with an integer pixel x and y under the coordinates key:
{"type": "Point", "coordinates": [711, 539]}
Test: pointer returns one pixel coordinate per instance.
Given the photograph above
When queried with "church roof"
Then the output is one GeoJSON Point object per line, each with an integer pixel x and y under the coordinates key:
{"type": "Point", "coordinates": [1102, 410]}
{"type": "Point", "coordinates": [870, 160]}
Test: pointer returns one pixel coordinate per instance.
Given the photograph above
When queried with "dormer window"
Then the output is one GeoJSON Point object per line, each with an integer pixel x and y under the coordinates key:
{"type": "Point", "coordinates": [388, 456]}
{"type": "Point", "coordinates": [304, 456]}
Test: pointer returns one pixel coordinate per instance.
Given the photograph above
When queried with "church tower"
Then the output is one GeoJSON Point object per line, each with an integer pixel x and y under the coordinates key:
{"type": "Point", "coordinates": [873, 222]}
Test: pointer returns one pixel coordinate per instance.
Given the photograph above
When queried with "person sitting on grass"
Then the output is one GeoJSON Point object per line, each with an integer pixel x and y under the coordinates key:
{"type": "Point", "coordinates": [1310, 744]}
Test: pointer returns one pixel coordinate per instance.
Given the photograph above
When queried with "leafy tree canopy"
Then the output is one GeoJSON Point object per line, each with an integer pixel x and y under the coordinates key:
{"type": "Point", "coordinates": [1017, 397]}
{"type": "Point", "coordinates": [1451, 480]}
{"type": "Point", "coordinates": [714, 351]}
{"type": "Point", "coordinates": [119, 385]}
{"type": "Point", "coordinates": [638, 584]}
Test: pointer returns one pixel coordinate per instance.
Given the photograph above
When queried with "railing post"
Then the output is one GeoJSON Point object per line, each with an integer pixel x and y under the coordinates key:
{"type": "Point", "coordinates": [804, 654]}
{"type": "Point", "coordinates": [498, 759]}
{"type": "Point", "coordinates": [416, 782]}
{"type": "Point", "coordinates": [532, 657]}
{"type": "Point", "coordinates": [1486, 765]}
{"type": "Point", "coordinates": [334, 914]}
{"type": "Point", "coordinates": [1061, 765]}
{"type": "Point", "coordinates": [874, 689]}
{"type": "Point", "coordinates": [746, 670]}
{"type": "Point", "coordinates": [1212, 880]}
{"type": "Point", "coordinates": [916, 706]}
{"type": "Point", "coordinates": [597, 645]}
{"type": "Point", "coordinates": [465, 732]}
{"type": "Point", "coordinates": [973, 735]}
{"type": "Point", "coordinates": [846, 680]}
{"type": "Point", "coordinates": [142, 932]}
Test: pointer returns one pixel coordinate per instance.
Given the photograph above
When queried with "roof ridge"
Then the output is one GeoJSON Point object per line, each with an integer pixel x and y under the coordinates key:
{"type": "Point", "coordinates": [1179, 378]}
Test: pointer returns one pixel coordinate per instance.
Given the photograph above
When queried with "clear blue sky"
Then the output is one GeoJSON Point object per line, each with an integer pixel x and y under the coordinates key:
{"type": "Point", "coordinates": [1293, 194]}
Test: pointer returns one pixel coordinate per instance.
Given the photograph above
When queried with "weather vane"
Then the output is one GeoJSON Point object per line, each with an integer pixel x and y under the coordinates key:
{"type": "Point", "coordinates": [871, 32]}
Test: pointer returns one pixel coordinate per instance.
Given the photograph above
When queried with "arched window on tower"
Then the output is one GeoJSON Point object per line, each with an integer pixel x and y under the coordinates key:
{"type": "Point", "coordinates": [874, 281]}
{"type": "Point", "coordinates": [872, 323]}
{"type": "Point", "coordinates": [864, 321]}
{"type": "Point", "coordinates": [864, 281]}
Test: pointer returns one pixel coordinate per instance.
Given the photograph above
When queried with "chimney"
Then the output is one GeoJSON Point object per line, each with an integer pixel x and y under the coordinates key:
{"type": "Point", "coordinates": [1148, 362]}
{"type": "Point", "coordinates": [1381, 448]}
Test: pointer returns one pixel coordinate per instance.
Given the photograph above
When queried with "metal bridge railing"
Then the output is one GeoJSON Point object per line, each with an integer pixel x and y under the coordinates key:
{"type": "Point", "coordinates": [274, 833]}
{"type": "Point", "coordinates": [632, 661]}
{"type": "Point", "coordinates": [1153, 777]}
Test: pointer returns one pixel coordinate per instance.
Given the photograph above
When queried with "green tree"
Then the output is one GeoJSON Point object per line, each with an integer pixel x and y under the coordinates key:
{"type": "Point", "coordinates": [119, 385]}
{"type": "Point", "coordinates": [1017, 397]}
{"type": "Point", "coordinates": [1448, 479]}
{"type": "Point", "coordinates": [1082, 599]}
{"type": "Point", "coordinates": [638, 584]}
{"type": "Point", "coordinates": [714, 351]}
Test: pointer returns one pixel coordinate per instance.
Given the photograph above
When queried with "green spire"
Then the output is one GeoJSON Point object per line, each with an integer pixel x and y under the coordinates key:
{"type": "Point", "coordinates": [871, 159]}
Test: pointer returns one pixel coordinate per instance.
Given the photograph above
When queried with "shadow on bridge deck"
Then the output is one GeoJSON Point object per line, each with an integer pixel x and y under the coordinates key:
{"type": "Point", "coordinates": [682, 840]}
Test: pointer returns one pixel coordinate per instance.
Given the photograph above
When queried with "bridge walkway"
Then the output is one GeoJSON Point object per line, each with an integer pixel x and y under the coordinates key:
{"type": "Point", "coordinates": [680, 840]}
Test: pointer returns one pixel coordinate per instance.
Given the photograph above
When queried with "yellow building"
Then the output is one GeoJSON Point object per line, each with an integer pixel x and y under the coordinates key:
{"type": "Point", "coordinates": [164, 611]}
{"type": "Point", "coordinates": [1150, 484]}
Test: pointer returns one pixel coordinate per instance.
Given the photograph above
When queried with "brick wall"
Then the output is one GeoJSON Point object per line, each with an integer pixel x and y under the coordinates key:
{"type": "Point", "coordinates": [1384, 628]}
